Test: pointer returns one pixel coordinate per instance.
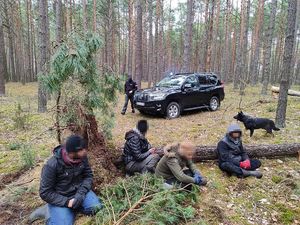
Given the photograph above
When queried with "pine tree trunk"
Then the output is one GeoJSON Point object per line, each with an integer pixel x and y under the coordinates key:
{"type": "Point", "coordinates": [3, 68]}
{"type": "Point", "coordinates": [254, 65]}
{"type": "Point", "coordinates": [72, 11]}
{"type": "Point", "coordinates": [59, 37]}
{"type": "Point", "coordinates": [160, 40]}
{"type": "Point", "coordinates": [84, 16]}
{"type": "Point", "coordinates": [111, 38]}
{"type": "Point", "coordinates": [20, 59]}
{"type": "Point", "coordinates": [187, 52]}
{"type": "Point", "coordinates": [217, 40]}
{"type": "Point", "coordinates": [130, 47]}
{"type": "Point", "coordinates": [244, 64]}
{"type": "Point", "coordinates": [94, 15]}
{"type": "Point", "coordinates": [204, 41]}
{"type": "Point", "coordinates": [234, 51]}
{"type": "Point", "coordinates": [43, 47]}
{"type": "Point", "coordinates": [277, 59]}
{"type": "Point", "coordinates": [145, 43]}
{"type": "Point", "coordinates": [59, 22]}
{"type": "Point", "coordinates": [268, 48]}
{"type": "Point", "coordinates": [157, 42]}
{"type": "Point", "coordinates": [239, 58]}
{"type": "Point", "coordinates": [287, 64]}
{"type": "Point", "coordinates": [151, 70]}
{"type": "Point", "coordinates": [12, 70]}
{"type": "Point", "coordinates": [169, 46]}
{"type": "Point", "coordinates": [33, 43]}
{"type": "Point", "coordinates": [225, 54]}
{"type": "Point", "coordinates": [210, 37]}
{"type": "Point", "coordinates": [139, 43]}
{"type": "Point", "coordinates": [29, 69]}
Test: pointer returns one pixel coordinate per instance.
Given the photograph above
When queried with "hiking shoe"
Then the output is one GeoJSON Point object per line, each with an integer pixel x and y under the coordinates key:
{"type": "Point", "coordinates": [41, 213]}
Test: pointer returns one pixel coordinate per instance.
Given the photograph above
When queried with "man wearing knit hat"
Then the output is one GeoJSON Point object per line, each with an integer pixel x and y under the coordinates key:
{"type": "Point", "coordinates": [66, 184]}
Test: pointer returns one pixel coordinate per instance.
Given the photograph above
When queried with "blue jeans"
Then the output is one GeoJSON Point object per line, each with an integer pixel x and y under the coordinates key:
{"type": "Point", "coordinates": [128, 98]}
{"type": "Point", "coordinates": [66, 216]}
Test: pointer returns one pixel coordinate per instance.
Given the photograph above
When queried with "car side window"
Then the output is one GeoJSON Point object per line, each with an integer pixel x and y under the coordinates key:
{"type": "Point", "coordinates": [211, 80]}
{"type": "Point", "coordinates": [192, 80]}
{"type": "Point", "coordinates": [202, 80]}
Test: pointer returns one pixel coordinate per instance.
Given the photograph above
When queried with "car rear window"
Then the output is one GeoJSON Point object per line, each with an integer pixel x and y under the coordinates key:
{"type": "Point", "coordinates": [208, 80]}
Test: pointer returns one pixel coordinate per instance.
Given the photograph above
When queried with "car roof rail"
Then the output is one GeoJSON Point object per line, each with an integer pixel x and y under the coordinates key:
{"type": "Point", "coordinates": [186, 73]}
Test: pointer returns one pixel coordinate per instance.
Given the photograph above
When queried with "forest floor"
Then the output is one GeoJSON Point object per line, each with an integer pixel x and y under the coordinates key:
{"type": "Point", "coordinates": [275, 199]}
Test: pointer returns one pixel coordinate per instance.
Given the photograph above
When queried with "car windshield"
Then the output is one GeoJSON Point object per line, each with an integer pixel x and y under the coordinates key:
{"type": "Point", "coordinates": [172, 81]}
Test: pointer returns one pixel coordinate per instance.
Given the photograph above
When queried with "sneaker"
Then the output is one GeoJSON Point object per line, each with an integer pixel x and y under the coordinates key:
{"type": "Point", "coordinates": [40, 213]}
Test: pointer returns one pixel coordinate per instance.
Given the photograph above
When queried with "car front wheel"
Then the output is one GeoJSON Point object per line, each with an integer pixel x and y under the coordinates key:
{"type": "Point", "coordinates": [214, 103]}
{"type": "Point", "coordinates": [173, 110]}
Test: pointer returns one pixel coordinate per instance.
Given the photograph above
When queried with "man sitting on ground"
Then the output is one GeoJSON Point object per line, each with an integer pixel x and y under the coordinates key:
{"type": "Point", "coordinates": [232, 157]}
{"type": "Point", "coordinates": [138, 155]}
{"type": "Point", "coordinates": [176, 166]}
{"type": "Point", "coordinates": [66, 183]}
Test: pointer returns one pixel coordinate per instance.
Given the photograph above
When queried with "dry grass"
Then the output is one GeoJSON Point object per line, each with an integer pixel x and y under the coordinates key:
{"type": "Point", "coordinates": [206, 128]}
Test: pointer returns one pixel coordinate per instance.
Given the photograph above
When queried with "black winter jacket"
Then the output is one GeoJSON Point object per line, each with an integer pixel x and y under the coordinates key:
{"type": "Point", "coordinates": [130, 85]}
{"type": "Point", "coordinates": [227, 152]}
{"type": "Point", "coordinates": [60, 182]}
{"type": "Point", "coordinates": [136, 147]}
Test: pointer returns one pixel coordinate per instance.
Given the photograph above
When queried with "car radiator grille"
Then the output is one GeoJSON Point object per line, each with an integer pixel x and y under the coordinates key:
{"type": "Point", "coordinates": [141, 97]}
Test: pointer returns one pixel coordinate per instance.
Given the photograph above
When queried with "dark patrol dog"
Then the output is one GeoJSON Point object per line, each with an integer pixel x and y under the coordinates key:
{"type": "Point", "coordinates": [252, 123]}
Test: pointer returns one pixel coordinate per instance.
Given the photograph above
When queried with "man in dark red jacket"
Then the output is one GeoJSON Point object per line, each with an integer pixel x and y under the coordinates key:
{"type": "Point", "coordinates": [130, 87]}
{"type": "Point", "coordinates": [66, 183]}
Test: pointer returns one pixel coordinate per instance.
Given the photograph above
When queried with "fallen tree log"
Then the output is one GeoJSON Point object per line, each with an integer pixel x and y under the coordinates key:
{"type": "Point", "coordinates": [290, 92]}
{"type": "Point", "coordinates": [204, 153]}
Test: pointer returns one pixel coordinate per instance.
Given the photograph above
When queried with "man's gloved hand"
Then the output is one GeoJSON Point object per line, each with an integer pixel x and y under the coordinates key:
{"type": "Point", "coordinates": [245, 164]}
{"type": "Point", "coordinates": [78, 199]}
{"type": "Point", "coordinates": [197, 178]}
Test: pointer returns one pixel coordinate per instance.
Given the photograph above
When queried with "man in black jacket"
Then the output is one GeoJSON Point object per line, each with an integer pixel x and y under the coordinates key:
{"type": "Point", "coordinates": [130, 87]}
{"type": "Point", "coordinates": [66, 183]}
{"type": "Point", "coordinates": [232, 157]}
{"type": "Point", "coordinates": [138, 154]}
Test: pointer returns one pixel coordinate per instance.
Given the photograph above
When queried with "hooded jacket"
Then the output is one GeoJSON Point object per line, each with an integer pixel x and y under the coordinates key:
{"type": "Point", "coordinates": [60, 182]}
{"type": "Point", "coordinates": [172, 165]}
{"type": "Point", "coordinates": [231, 150]}
{"type": "Point", "coordinates": [136, 147]}
{"type": "Point", "coordinates": [130, 85]}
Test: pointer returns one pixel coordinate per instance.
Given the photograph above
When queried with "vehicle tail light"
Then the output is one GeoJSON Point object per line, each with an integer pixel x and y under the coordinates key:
{"type": "Point", "coordinates": [222, 84]}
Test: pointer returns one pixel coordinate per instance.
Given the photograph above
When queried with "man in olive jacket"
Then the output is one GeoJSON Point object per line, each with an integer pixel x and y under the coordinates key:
{"type": "Point", "coordinates": [176, 166]}
{"type": "Point", "coordinates": [66, 183]}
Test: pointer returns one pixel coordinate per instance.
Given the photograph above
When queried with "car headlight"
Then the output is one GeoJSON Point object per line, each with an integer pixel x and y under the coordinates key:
{"type": "Point", "coordinates": [157, 97]}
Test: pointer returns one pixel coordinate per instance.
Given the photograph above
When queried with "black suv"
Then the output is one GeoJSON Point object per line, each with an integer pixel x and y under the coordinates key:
{"type": "Point", "coordinates": [181, 92]}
